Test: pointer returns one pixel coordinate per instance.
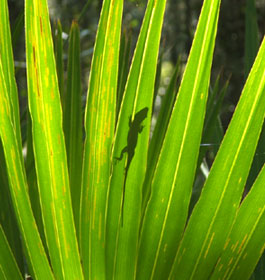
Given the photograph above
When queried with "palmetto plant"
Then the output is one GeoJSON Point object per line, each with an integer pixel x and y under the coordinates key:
{"type": "Point", "coordinates": [116, 206]}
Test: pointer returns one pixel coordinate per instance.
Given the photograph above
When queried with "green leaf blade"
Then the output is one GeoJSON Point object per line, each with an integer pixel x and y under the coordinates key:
{"type": "Point", "coordinates": [8, 265]}
{"type": "Point", "coordinates": [73, 121]}
{"type": "Point", "coordinates": [18, 189]}
{"type": "Point", "coordinates": [214, 213]}
{"type": "Point", "coordinates": [6, 55]}
{"type": "Point", "coordinates": [48, 143]}
{"type": "Point", "coordinates": [58, 48]}
{"type": "Point", "coordinates": [7, 215]}
{"type": "Point", "coordinates": [125, 49]}
{"type": "Point", "coordinates": [159, 133]}
{"type": "Point", "coordinates": [99, 126]}
{"type": "Point", "coordinates": [130, 149]}
{"type": "Point", "coordinates": [251, 34]}
{"type": "Point", "coordinates": [167, 208]}
{"type": "Point", "coordinates": [245, 244]}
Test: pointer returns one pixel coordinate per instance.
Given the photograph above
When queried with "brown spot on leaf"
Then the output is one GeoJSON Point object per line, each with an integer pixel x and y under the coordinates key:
{"type": "Point", "coordinates": [36, 71]}
{"type": "Point", "coordinates": [34, 55]}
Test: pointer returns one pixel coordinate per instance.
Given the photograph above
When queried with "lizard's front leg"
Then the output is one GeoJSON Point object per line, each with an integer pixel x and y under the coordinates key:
{"type": "Point", "coordinates": [141, 127]}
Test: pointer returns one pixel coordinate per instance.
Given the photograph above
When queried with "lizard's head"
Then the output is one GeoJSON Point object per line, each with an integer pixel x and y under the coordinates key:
{"type": "Point", "coordinates": [142, 114]}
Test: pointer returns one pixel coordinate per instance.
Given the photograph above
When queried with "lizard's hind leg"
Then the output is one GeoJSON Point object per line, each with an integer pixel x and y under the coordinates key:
{"type": "Point", "coordinates": [124, 150]}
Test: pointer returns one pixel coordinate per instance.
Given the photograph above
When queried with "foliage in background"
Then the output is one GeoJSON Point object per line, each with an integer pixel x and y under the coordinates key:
{"type": "Point", "coordinates": [93, 195]}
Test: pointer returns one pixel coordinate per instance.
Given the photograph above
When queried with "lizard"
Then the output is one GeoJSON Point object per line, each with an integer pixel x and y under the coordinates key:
{"type": "Point", "coordinates": [135, 128]}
